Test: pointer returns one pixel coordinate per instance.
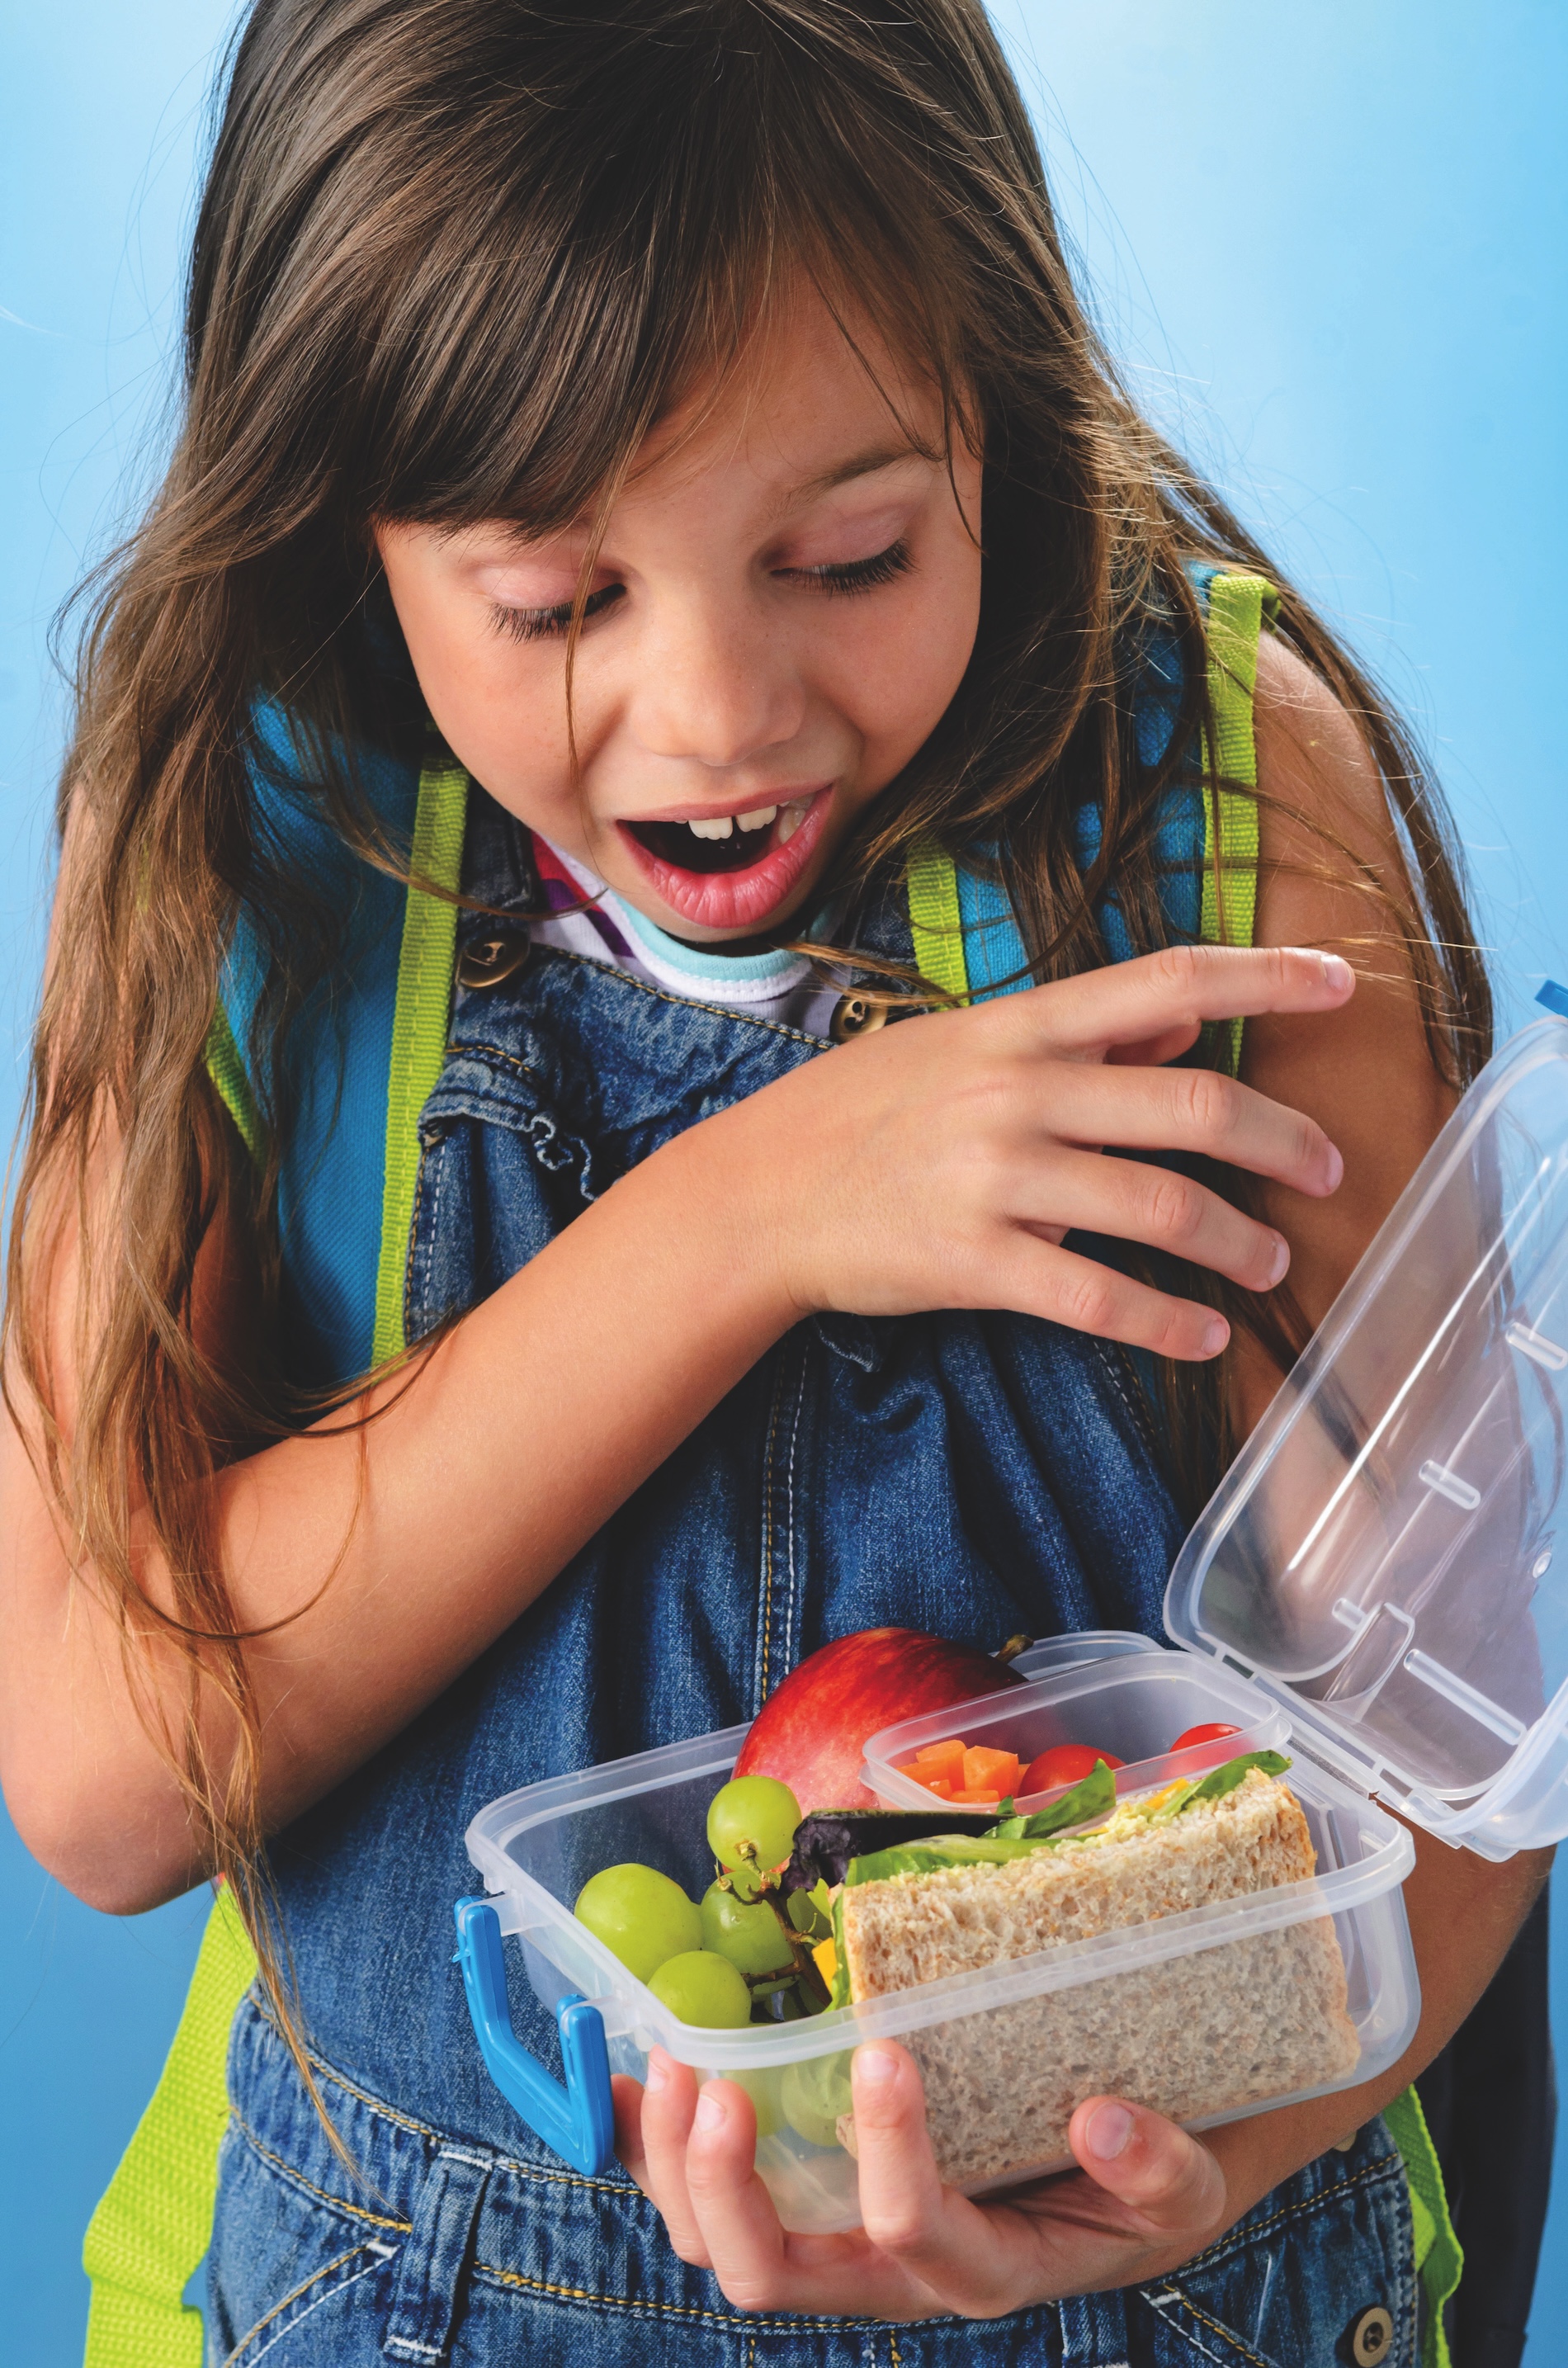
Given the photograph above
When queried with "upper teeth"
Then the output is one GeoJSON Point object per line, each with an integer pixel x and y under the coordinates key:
{"type": "Point", "coordinates": [721, 826]}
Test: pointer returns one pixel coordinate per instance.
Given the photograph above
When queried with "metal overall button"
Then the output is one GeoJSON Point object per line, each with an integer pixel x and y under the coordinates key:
{"type": "Point", "coordinates": [1370, 2335]}
{"type": "Point", "coordinates": [855, 1015]}
{"type": "Point", "coordinates": [487, 961]}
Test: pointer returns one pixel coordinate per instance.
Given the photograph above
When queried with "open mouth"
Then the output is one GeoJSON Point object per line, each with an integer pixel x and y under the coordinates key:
{"type": "Point", "coordinates": [731, 872]}
{"type": "Point", "coordinates": [722, 842]}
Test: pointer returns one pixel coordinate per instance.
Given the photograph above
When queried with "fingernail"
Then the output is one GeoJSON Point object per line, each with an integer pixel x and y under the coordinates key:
{"type": "Point", "coordinates": [876, 2066]}
{"type": "Point", "coordinates": [1336, 971]}
{"type": "Point", "coordinates": [1279, 1261]}
{"type": "Point", "coordinates": [1335, 1166]}
{"type": "Point", "coordinates": [1215, 1334]}
{"type": "Point", "coordinates": [658, 2074]}
{"type": "Point", "coordinates": [709, 2114]}
{"type": "Point", "coordinates": [1107, 2130]}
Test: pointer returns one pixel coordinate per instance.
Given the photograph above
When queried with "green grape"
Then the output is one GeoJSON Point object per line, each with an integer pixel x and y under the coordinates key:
{"type": "Point", "coordinates": [701, 1987]}
{"type": "Point", "coordinates": [750, 1936]}
{"type": "Point", "coordinates": [752, 1819]}
{"type": "Point", "coordinates": [640, 1916]}
{"type": "Point", "coordinates": [813, 2094]}
{"type": "Point", "coordinates": [807, 1917]}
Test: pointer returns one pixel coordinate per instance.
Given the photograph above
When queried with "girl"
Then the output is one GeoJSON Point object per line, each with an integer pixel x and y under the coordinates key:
{"type": "Point", "coordinates": [657, 578]}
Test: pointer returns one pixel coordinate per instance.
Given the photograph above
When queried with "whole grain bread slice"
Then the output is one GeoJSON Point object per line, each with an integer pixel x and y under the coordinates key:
{"type": "Point", "coordinates": [1200, 2034]}
{"type": "Point", "coordinates": [914, 1928]}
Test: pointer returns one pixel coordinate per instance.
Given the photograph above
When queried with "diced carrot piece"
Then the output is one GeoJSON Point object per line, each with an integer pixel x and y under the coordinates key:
{"type": "Point", "coordinates": [987, 1771]}
{"type": "Point", "coordinates": [976, 1800]}
{"type": "Point", "coordinates": [939, 1785]}
{"type": "Point", "coordinates": [946, 1757]}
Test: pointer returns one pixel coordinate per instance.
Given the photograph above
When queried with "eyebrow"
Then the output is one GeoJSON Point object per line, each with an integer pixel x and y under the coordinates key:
{"type": "Point", "coordinates": [861, 465]}
{"type": "Point", "coordinates": [866, 464]}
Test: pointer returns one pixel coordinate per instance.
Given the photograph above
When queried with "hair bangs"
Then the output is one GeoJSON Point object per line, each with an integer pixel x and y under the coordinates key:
{"type": "Point", "coordinates": [599, 282]}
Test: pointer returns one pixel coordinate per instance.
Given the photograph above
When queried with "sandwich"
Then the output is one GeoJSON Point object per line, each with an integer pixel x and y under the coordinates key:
{"type": "Point", "coordinates": [1197, 2035]}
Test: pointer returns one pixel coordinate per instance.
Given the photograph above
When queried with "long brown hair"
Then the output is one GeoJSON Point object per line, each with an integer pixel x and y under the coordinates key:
{"type": "Point", "coordinates": [454, 260]}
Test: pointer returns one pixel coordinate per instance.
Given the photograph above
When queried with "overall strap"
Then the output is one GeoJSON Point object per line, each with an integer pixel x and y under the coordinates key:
{"type": "Point", "coordinates": [151, 2228]}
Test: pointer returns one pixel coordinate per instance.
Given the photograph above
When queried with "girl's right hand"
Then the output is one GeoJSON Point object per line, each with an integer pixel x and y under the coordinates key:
{"type": "Point", "coordinates": [940, 1162]}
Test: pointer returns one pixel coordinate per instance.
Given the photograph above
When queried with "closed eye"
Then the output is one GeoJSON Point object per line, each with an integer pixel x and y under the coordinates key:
{"type": "Point", "coordinates": [541, 624]}
{"type": "Point", "coordinates": [854, 575]}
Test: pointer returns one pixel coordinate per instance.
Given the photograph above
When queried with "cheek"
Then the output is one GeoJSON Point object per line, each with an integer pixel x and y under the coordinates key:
{"type": "Point", "coordinates": [499, 708]}
{"type": "Point", "coordinates": [895, 672]}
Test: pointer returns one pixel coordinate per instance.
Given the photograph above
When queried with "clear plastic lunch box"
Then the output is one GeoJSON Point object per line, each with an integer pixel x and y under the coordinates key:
{"type": "Point", "coordinates": [1374, 1588]}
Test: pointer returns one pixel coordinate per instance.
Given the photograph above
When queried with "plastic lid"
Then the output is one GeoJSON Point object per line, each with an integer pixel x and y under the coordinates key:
{"type": "Point", "coordinates": [1384, 1555]}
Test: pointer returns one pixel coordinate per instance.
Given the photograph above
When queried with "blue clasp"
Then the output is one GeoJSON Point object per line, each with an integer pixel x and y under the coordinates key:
{"type": "Point", "coordinates": [578, 2121]}
{"type": "Point", "coordinates": [1554, 997]}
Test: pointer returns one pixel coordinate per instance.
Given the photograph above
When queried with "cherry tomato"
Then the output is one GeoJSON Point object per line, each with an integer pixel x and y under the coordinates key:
{"type": "Point", "coordinates": [1203, 1734]}
{"type": "Point", "coordinates": [1064, 1763]}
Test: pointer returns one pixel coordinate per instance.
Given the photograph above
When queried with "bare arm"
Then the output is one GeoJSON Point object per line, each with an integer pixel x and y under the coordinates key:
{"type": "Point", "coordinates": [938, 1164]}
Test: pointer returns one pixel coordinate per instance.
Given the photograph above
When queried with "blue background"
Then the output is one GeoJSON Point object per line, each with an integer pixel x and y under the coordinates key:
{"type": "Point", "coordinates": [1329, 243]}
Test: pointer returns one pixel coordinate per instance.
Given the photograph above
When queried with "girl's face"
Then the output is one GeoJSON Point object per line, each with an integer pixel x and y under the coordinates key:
{"type": "Point", "coordinates": [782, 607]}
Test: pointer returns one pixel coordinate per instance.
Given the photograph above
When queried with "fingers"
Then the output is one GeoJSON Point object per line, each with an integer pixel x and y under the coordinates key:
{"type": "Point", "coordinates": [668, 2110]}
{"type": "Point", "coordinates": [1165, 2183]}
{"type": "Point", "coordinates": [1195, 1111]}
{"type": "Point", "coordinates": [1134, 1203]}
{"type": "Point", "coordinates": [1131, 1002]}
{"type": "Point", "coordinates": [758, 2266]}
{"type": "Point", "coordinates": [740, 2227]}
{"type": "Point", "coordinates": [1064, 1288]}
{"type": "Point", "coordinates": [941, 2239]}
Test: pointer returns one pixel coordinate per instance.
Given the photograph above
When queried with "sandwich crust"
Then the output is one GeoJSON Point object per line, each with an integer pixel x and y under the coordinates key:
{"type": "Point", "coordinates": [1193, 2035]}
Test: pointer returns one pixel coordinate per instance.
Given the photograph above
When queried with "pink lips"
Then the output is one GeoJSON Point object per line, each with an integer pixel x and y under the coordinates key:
{"type": "Point", "coordinates": [735, 900]}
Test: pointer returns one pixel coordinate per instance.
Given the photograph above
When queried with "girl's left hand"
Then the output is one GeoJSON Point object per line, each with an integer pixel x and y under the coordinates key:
{"type": "Point", "coordinates": [1146, 2198]}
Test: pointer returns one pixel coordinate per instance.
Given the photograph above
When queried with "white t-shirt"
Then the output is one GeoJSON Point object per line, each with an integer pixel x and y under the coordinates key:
{"type": "Point", "coordinates": [776, 985]}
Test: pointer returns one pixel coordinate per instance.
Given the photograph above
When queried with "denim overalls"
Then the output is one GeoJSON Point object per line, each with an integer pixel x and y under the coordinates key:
{"type": "Point", "coordinates": [974, 1474]}
{"type": "Point", "coordinates": [977, 1475]}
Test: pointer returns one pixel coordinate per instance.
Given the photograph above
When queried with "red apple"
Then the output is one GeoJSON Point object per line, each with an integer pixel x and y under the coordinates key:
{"type": "Point", "coordinates": [812, 1731]}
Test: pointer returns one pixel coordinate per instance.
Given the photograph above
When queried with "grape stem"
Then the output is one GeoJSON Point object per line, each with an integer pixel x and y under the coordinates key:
{"type": "Point", "coordinates": [806, 1971]}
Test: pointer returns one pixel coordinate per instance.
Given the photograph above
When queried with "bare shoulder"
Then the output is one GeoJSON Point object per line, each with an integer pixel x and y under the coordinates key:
{"type": "Point", "coordinates": [1331, 873]}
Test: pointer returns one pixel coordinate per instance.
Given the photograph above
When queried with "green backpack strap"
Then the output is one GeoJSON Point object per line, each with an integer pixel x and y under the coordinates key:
{"type": "Point", "coordinates": [1440, 2259]}
{"type": "Point", "coordinates": [147, 2238]}
{"type": "Point", "coordinates": [419, 1029]}
{"type": "Point", "coordinates": [1237, 607]}
{"type": "Point", "coordinates": [155, 2223]}
{"type": "Point", "coordinates": [936, 924]}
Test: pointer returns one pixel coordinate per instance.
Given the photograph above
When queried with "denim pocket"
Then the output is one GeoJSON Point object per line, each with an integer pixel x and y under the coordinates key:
{"type": "Point", "coordinates": [293, 2279]}
{"type": "Point", "coordinates": [1320, 2275]}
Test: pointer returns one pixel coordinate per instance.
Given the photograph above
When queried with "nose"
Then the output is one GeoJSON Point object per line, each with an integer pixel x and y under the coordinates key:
{"type": "Point", "coordinates": [714, 686]}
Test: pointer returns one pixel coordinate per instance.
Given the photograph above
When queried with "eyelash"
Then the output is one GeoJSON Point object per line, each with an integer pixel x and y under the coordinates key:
{"type": "Point", "coordinates": [858, 575]}
{"type": "Point", "coordinates": [836, 578]}
{"type": "Point", "coordinates": [544, 625]}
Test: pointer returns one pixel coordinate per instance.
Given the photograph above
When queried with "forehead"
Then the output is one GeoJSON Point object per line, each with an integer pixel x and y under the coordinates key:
{"type": "Point", "coordinates": [812, 400]}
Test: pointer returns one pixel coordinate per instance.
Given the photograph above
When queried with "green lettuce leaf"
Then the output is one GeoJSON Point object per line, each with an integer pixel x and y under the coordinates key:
{"type": "Point", "coordinates": [932, 1857]}
{"type": "Point", "coordinates": [839, 1995]}
{"type": "Point", "coordinates": [1214, 1786]}
{"type": "Point", "coordinates": [1095, 1797]}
